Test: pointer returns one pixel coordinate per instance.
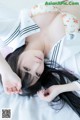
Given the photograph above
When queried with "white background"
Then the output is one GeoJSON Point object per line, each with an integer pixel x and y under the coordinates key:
{"type": "Point", "coordinates": [11, 8]}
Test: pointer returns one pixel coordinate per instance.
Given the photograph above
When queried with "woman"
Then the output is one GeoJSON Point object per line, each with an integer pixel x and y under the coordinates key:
{"type": "Point", "coordinates": [40, 46]}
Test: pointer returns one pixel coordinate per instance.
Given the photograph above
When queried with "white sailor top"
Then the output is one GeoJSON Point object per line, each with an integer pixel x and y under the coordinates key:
{"type": "Point", "coordinates": [65, 52]}
{"type": "Point", "coordinates": [14, 31]}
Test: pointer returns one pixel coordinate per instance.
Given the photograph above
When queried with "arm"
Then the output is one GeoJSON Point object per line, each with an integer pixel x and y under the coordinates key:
{"type": "Point", "coordinates": [11, 82]}
{"type": "Point", "coordinates": [3, 64]}
{"type": "Point", "coordinates": [69, 87]}
{"type": "Point", "coordinates": [53, 91]}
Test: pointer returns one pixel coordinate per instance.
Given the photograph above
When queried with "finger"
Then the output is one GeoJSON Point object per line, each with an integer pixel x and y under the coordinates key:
{"type": "Point", "coordinates": [18, 86]}
{"type": "Point", "coordinates": [41, 91]}
{"type": "Point", "coordinates": [45, 98]}
{"type": "Point", "coordinates": [6, 91]}
{"type": "Point", "coordinates": [40, 94]}
{"type": "Point", "coordinates": [11, 90]}
{"type": "Point", "coordinates": [20, 91]}
{"type": "Point", "coordinates": [14, 90]}
{"type": "Point", "coordinates": [44, 92]}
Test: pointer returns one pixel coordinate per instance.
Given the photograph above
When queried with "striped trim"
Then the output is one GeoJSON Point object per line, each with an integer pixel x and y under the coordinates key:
{"type": "Point", "coordinates": [19, 33]}
{"type": "Point", "coordinates": [12, 37]}
{"type": "Point", "coordinates": [55, 55]}
{"type": "Point", "coordinates": [28, 29]}
{"type": "Point", "coordinates": [13, 34]}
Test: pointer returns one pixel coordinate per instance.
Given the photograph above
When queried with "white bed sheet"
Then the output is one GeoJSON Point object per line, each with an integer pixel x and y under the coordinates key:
{"type": "Point", "coordinates": [23, 108]}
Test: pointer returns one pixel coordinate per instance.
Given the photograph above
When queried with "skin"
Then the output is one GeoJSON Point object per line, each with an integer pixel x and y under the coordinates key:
{"type": "Point", "coordinates": [43, 42]}
{"type": "Point", "coordinates": [34, 64]}
{"type": "Point", "coordinates": [9, 79]}
{"type": "Point", "coordinates": [40, 44]}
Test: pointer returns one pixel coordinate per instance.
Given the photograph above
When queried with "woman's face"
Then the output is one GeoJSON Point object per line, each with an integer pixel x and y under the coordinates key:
{"type": "Point", "coordinates": [32, 61]}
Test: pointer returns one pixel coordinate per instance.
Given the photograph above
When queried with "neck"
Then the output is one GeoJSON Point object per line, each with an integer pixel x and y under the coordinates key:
{"type": "Point", "coordinates": [39, 41]}
{"type": "Point", "coordinates": [36, 45]}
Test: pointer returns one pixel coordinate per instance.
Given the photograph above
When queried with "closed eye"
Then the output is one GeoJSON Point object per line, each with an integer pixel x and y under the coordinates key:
{"type": "Point", "coordinates": [27, 69]}
{"type": "Point", "coordinates": [38, 74]}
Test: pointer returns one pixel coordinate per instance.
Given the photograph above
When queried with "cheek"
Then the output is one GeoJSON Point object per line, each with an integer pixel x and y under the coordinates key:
{"type": "Point", "coordinates": [25, 63]}
{"type": "Point", "coordinates": [41, 69]}
{"type": "Point", "coordinates": [29, 60]}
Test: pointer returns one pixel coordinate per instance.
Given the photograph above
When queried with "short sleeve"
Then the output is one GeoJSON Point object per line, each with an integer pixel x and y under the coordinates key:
{"type": "Point", "coordinates": [22, 27]}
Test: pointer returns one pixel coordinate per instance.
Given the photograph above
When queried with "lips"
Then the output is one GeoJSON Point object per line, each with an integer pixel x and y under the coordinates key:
{"type": "Point", "coordinates": [38, 57]}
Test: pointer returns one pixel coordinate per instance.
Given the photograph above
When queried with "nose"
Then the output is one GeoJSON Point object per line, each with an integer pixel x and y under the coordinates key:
{"type": "Point", "coordinates": [35, 67]}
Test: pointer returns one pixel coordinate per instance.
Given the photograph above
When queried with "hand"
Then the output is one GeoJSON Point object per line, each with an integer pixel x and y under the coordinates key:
{"type": "Point", "coordinates": [11, 82]}
{"type": "Point", "coordinates": [49, 94]}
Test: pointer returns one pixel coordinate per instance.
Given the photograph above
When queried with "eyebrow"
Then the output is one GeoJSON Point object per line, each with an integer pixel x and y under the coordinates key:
{"type": "Point", "coordinates": [37, 74]}
{"type": "Point", "coordinates": [27, 69]}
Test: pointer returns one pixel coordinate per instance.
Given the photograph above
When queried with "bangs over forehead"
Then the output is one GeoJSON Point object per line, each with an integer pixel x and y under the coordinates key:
{"type": "Point", "coordinates": [26, 78]}
{"type": "Point", "coordinates": [28, 88]}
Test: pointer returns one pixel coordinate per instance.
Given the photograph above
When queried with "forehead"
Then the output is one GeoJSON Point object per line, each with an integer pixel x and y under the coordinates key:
{"type": "Point", "coordinates": [25, 56]}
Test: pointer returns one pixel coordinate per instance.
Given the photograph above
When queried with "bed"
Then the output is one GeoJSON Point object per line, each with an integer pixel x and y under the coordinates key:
{"type": "Point", "coordinates": [23, 108]}
{"type": "Point", "coordinates": [33, 108]}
